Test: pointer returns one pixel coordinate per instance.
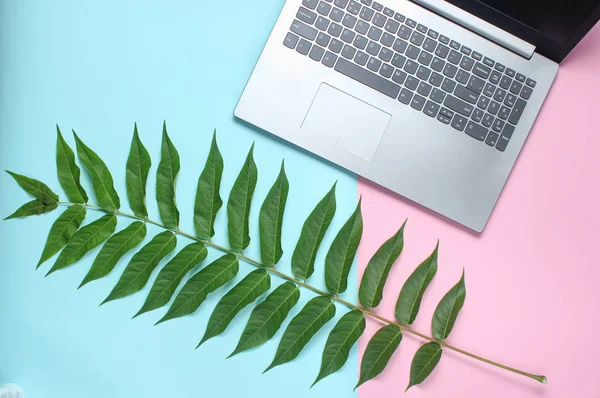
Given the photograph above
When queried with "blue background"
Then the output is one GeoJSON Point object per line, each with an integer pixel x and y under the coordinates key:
{"type": "Point", "coordinates": [97, 67]}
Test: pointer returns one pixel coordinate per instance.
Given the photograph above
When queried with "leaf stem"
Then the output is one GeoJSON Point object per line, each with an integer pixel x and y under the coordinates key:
{"type": "Point", "coordinates": [540, 378]}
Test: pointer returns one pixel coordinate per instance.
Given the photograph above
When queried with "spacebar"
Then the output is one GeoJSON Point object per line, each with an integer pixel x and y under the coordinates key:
{"type": "Point", "coordinates": [367, 78]}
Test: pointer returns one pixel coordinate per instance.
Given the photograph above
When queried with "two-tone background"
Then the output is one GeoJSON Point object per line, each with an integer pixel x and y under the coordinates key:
{"type": "Point", "coordinates": [98, 67]}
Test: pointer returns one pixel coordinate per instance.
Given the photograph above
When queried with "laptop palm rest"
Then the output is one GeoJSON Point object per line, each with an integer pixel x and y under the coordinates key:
{"type": "Point", "coordinates": [346, 122]}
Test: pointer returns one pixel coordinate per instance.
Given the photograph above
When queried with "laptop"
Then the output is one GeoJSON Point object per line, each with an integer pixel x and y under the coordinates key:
{"type": "Point", "coordinates": [430, 99]}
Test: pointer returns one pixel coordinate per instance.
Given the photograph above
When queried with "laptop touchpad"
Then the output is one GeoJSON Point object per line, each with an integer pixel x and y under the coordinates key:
{"type": "Point", "coordinates": [346, 122]}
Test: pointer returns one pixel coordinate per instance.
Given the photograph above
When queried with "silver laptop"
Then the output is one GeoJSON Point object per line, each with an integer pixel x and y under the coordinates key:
{"type": "Point", "coordinates": [430, 99]}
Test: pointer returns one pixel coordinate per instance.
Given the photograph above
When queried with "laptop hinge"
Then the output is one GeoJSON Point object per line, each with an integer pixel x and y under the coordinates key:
{"type": "Point", "coordinates": [479, 26]}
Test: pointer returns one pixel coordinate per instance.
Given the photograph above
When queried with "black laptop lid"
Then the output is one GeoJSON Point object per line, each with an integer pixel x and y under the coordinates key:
{"type": "Point", "coordinates": [553, 26]}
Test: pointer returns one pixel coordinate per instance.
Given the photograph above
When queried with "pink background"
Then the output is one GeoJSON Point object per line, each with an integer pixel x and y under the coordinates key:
{"type": "Point", "coordinates": [533, 275]}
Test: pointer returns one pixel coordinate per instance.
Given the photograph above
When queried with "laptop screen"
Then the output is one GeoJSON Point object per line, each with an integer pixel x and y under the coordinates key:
{"type": "Point", "coordinates": [557, 19]}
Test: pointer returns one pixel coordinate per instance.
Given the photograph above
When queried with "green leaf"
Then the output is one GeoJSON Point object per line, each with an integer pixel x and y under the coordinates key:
{"type": "Point", "coordinates": [254, 285]}
{"type": "Point", "coordinates": [68, 171]}
{"type": "Point", "coordinates": [373, 281]}
{"type": "Point", "coordinates": [35, 188]}
{"type": "Point", "coordinates": [101, 178]}
{"type": "Point", "coordinates": [172, 274]}
{"type": "Point", "coordinates": [138, 166]}
{"type": "Point", "coordinates": [409, 300]}
{"type": "Point", "coordinates": [165, 182]}
{"type": "Point", "coordinates": [342, 252]}
{"type": "Point", "coordinates": [62, 231]}
{"type": "Point", "coordinates": [423, 363]}
{"type": "Point", "coordinates": [114, 249]}
{"type": "Point", "coordinates": [84, 241]}
{"type": "Point", "coordinates": [208, 199]}
{"type": "Point", "coordinates": [206, 281]}
{"type": "Point", "coordinates": [313, 231]}
{"type": "Point", "coordinates": [270, 220]}
{"type": "Point", "coordinates": [267, 317]}
{"type": "Point", "coordinates": [341, 339]}
{"type": "Point", "coordinates": [238, 205]}
{"type": "Point", "coordinates": [139, 269]}
{"type": "Point", "coordinates": [378, 352]}
{"type": "Point", "coordinates": [447, 310]}
{"type": "Point", "coordinates": [33, 208]}
{"type": "Point", "coordinates": [315, 314]}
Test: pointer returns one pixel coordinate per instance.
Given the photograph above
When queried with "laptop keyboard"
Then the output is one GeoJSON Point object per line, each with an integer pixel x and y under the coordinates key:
{"type": "Point", "coordinates": [418, 66]}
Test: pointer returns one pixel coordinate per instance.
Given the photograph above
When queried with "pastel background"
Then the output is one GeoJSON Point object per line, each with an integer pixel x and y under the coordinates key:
{"type": "Point", "coordinates": [532, 276]}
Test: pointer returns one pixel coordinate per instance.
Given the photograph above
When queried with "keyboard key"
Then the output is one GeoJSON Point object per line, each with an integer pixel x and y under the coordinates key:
{"type": "Point", "coordinates": [349, 21]}
{"type": "Point", "coordinates": [459, 122]}
{"type": "Point", "coordinates": [412, 52]}
{"type": "Point", "coordinates": [341, 3]}
{"type": "Point", "coordinates": [322, 23]}
{"type": "Point", "coordinates": [418, 102]}
{"type": "Point", "coordinates": [422, 28]}
{"type": "Point", "coordinates": [388, 11]}
{"type": "Point", "coordinates": [505, 82]}
{"type": "Point", "coordinates": [431, 109]}
{"type": "Point", "coordinates": [316, 53]}
{"type": "Point", "coordinates": [367, 13]}
{"type": "Point", "coordinates": [477, 56]}
{"type": "Point", "coordinates": [476, 131]}
{"type": "Point", "coordinates": [398, 60]}
{"type": "Point", "coordinates": [361, 42]}
{"type": "Point", "coordinates": [348, 36]}
{"type": "Point", "coordinates": [520, 77]}
{"type": "Point", "coordinates": [329, 59]}
{"type": "Point", "coordinates": [424, 89]}
{"type": "Point", "coordinates": [495, 77]}
{"type": "Point", "coordinates": [488, 61]}
{"type": "Point", "coordinates": [411, 23]}
{"type": "Point", "coordinates": [503, 113]}
{"type": "Point", "coordinates": [423, 73]}
{"type": "Point", "coordinates": [526, 92]}
{"type": "Point", "coordinates": [437, 95]}
{"type": "Point", "coordinates": [443, 119]}
{"type": "Point", "coordinates": [499, 95]}
{"type": "Point", "coordinates": [432, 33]}
{"type": "Point", "coordinates": [405, 96]}
{"type": "Point", "coordinates": [531, 82]}
{"type": "Point", "coordinates": [425, 58]}
{"type": "Point", "coordinates": [466, 94]}
{"type": "Point", "coordinates": [454, 57]}
{"type": "Point", "coordinates": [354, 7]}
{"type": "Point", "coordinates": [399, 76]}
{"type": "Point", "coordinates": [323, 39]}
{"type": "Point", "coordinates": [429, 44]}
{"type": "Point", "coordinates": [399, 17]}
{"type": "Point", "coordinates": [447, 112]}
{"type": "Point", "coordinates": [499, 67]}
{"type": "Point", "coordinates": [488, 120]}
{"type": "Point", "coordinates": [465, 50]}
{"type": "Point", "coordinates": [306, 15]}
{"type": "Point", "coordinates": [411, 67]}
{"type": "Point", "coordinates": [489, 89]}
{"type": "Point", "coordinates": [417, 38]}
{"type": "Point", "coordinates": [498, 125]}
{"type": "Point", "coordinates": [436, 79]}
{"type": "Point", "coordinates": [517, 111]}
{"type": "Point", "coordinates": [348, 52]}
{"type": "Point", "coordinates": [312, 4]}
{"type": "Point", "coordinates": [437, 64]}
{"type": "Point", "coordinates": [450, 70]}
{"type": "Point", "coordinates": [336, 14]}
{"type": "Point", "coordinates": [361, 58]}
{"type": "Point", "coordinates": [374, 64]}
{"type": "Point", "coordinates": [404, 32]}
{"type": "Point", "coordinates": [483, 102]}
{"type": "Point", "coordinates": [303, 46]}
{"type": "Point", "coordinates": [510, 72]}
{"type": "Point", "coordinates": [515, 87]}
{"type": "Point", "coordinates": [386, 54]}
{"type": "Point", "coordinates": [492, 138]}
{"type": "Point", "coordinates": [481, 70]}
{"type": "Point", "coordinates": [336, 46]}
{"type": "Point", "coordinates": [400, 46]}
{"type": "Point", "coordinates": [462, 76]}
{"type": "Point", "coordinates": [411, 83]}
{"type": "Point", "coordinates": [373, 48]}
{"type": "Point", "coordinates": [377, 6]}
{"type": "Point", "coordinates": [494, 108]}
{"type": "Point", "coordinates": [386, 71]}
{"type": "Point", "coordinates": [458, 105]}
{"type": "Point", "coordinates": [387, 39]}
{"type": "Point", "coordinates": [510, 100]}
{"type": "Point", "coordinates": [444, 39]}
{"type": "Point", "coordinates": [477, 115]}
{"type": "Point", "coordinates": [367, 78]}
{"type": "Point", "coordinates": [302, 29]}
{"type": "Point", "coordinates": [379, 20]}
{"type": "Point", "coordinates": [335, 30]}
{"type": "Point", "coordinates": [455, 45]}
{"type": "Point", "coordinates": [448, 85]}
{"type": "Point", "coordinates": [365, 2]}
{"type": "Point", "coordinates": [442, 51]}
{"type": "Point", "coordinates": [476, 84]}
{"type": "Point", "coordinates": [375, 33]}
{"type": "Point", "coordinates": [291, 40]}
{"type": "Point", "coordinates": [467, 63]}
{"type": "Point", "coordinates": [392, 26]}
{"type": "Point", "coordinates": [507, 133]}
